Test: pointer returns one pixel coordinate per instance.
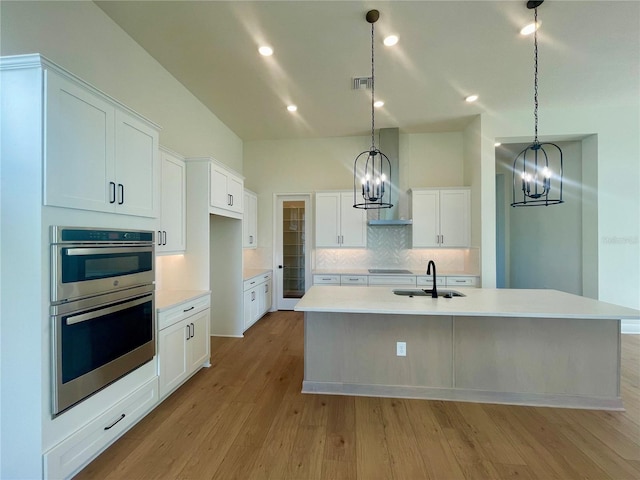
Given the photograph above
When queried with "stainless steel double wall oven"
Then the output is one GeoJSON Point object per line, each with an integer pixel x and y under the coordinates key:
{"type": "Point", "coordinates": [102, 308]}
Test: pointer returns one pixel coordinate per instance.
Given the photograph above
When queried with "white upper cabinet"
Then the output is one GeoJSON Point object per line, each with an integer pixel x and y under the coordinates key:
{"type": "Point", "coordinates": [338, 224]}
{"type": "Point", "coordinates": [227, 191]}
{"type": "Point", "coordinates": [137, 167]}
{"type": "Point", "coordinates": [441, 217]}
{"type": "Point", "coordinates": [171, 238]}
{"type": "Point", "coordinates": [98, 156]}
{"type": "Point", "coordinates": [250, 220]}
{"type": "Point", "coordinates": [80, 148]}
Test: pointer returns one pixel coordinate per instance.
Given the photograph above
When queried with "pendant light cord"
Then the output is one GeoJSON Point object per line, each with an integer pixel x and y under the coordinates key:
{"type": "Point", "coordinates": [535, 75]}
{"type": "Point", "coordinates": [373, 91]}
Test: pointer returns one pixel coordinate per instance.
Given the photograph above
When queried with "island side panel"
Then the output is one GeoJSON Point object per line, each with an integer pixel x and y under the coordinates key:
{"type": "Point", "coordinates": [360, 349]}
{"type": "Point", "coordinates": [538, 355]}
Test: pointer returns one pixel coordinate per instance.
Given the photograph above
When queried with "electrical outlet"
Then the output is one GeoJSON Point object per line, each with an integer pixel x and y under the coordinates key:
{"type": "Point", "coordinates": [401, 349]}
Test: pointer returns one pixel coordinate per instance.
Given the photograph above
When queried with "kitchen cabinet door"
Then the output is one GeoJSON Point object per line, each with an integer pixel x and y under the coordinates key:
{"type": "Point", "coordinates": [172, 354]}
{"type": "Point", "coordinates": [353, 222]}
{"type": "Point", "coordinates": [425, 211]}
{"type": "Point", "coordinates": [328, 219]}
{"type": "Point", "coordinates": [251, 306]}
{"type": "Point", "coordinates": [250, 220]}
{"type": "Point", "coordinates": [172, 236]}
{"type": "Point", "coordinates": [79, 150]}
{"type": "Point", "coordinates": [198, 344]}
{"type": "Point", "coordinates": [454, 218]}
{"type": "Point", "coordinates": [137, 167]}
{"type": "Point", "coordinates": [268, 299]}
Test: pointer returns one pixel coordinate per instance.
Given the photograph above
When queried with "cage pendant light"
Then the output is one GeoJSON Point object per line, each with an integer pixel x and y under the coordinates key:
{"type": "Point", "coordinates": [536, 172]}
{"type": "Point", "coordinates": [372, 168]}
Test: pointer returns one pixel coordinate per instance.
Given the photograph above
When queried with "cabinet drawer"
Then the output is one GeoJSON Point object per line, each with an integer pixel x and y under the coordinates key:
{"type": "Point", "coordinates": [326, 279]}
{"type": "Point", "coordinates": [74, 452]}
{"type": "Point", "coordinates": [265, 277]}
{"type": "Point", "coordinates": [428, 281]}
{"type": "Point", "coordinates": [353, 280]}
{"type": "Point", "coordinates": [461, 281]}
{"type": "Point", "coordinates": [182, 310]}
{"type": "Point", "coordinates": [392, 280]}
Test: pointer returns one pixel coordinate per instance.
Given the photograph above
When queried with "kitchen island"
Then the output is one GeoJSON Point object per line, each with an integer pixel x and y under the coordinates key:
{"type": "Point", "coordinates": [528, 347]}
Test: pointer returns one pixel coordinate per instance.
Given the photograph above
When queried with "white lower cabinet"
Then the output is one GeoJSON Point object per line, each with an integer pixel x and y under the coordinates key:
{"type": "Point", "coordinates": [73, 453]}
{"type": "Point", "coordinates": [257, 298]}
{"type": "Point", "coordinates": [183, 342]}
{"type": "Point", "coordinates": [358, 280]}
{"type": "Point", "coordinates": [326, 279]}
{"type": "Point", "coordinates": [462, 281]}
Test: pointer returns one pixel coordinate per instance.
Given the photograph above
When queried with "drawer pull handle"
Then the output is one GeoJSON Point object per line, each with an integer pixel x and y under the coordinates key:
{"type": "Point", "coordinates": [114, 423]}
{"type": "Point", "coordinates": [191, 308]}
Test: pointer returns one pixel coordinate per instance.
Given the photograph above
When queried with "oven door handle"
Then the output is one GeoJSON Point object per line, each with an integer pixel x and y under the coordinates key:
{"type": "Point", "coordinates": [106, 250]}
{"type": "Point", "coordinates": [83, 317]}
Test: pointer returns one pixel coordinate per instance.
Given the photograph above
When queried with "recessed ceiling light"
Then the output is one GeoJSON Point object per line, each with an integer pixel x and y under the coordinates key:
{"type": "Point", "coordinates": [529, 29]}
{"type": "Point", "coordinates": [378, 103]}
{"type": "Point", "coordinates": [265, 51]}
{"type": "Point", "coordinates": [292, 108]}
{"type": "Point", "coordinates": [471, 98]}
{"type": "Point", "coordinates": [391, 40]}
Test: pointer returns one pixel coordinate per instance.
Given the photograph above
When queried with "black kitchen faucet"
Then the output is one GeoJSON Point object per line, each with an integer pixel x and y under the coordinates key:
{"type": "Point", "coordinates": [434, 291]}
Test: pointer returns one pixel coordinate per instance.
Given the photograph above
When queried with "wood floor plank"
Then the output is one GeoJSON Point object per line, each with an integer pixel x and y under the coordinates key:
{"type": "Point", "coordinates": [340, 443]}
{"type": "Point", "coordinates": [406, 460]}
{"type": "Point", "coordinates": [209, 452]}
{"type": "Point", "coordinates": [436, 452]}
{"type": "Point", "coordinates": [573, 462]}
{"type": "Point", "coordinates": [372, 453]}
{"type": "Point", "coordinates": [245, 417]}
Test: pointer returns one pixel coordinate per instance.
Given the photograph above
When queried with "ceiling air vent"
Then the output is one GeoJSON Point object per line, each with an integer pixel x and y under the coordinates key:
{"type": "Point", "coordinates": [362, 83]}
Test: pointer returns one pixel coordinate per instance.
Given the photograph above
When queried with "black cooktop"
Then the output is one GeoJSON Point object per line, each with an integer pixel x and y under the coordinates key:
{"type": "Point", "coordinates": [390, 270]}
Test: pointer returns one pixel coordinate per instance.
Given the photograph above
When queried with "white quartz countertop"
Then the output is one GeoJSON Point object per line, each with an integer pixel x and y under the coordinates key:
{"type": "Point", "coordinates": [480, 302]}
{"type": "Point", "coordinates": [168, 298]}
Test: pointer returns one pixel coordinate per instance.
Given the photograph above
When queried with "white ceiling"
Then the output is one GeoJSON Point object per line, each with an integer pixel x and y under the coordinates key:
{"type": "Point", "coordinates": [589, 52]}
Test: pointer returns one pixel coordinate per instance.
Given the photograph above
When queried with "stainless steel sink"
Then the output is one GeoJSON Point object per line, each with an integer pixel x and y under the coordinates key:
{"type": "Point", "coordinates": [418, 292]}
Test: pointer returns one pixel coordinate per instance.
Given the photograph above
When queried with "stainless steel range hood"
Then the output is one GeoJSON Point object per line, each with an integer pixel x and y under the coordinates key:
{"type": "Point", "coordinates": [389, 144]}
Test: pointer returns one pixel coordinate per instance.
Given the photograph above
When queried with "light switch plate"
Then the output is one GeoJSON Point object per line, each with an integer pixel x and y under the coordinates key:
{"type": "Point", "coordinates": [401, 349]}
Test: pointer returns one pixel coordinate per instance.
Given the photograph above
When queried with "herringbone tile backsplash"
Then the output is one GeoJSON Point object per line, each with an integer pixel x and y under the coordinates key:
{"type": "Point", "coordinates": [390, 247]}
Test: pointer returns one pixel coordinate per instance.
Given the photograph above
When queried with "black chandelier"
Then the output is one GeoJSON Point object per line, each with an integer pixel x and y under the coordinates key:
{"type": "Point", "coordinates": [532, 173]}
{"type": "Point", "coordinates": [372, 168]}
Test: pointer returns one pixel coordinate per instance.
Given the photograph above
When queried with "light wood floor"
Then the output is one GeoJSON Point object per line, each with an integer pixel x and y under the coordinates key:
{"type": "Point", "coordinates": [245, 418]}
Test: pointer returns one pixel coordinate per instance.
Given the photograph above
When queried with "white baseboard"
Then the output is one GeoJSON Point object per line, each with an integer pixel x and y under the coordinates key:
{"type": "Point", "coordinates": [630, 326]}
{"type": "Point", "coordinates": [461, 395]}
